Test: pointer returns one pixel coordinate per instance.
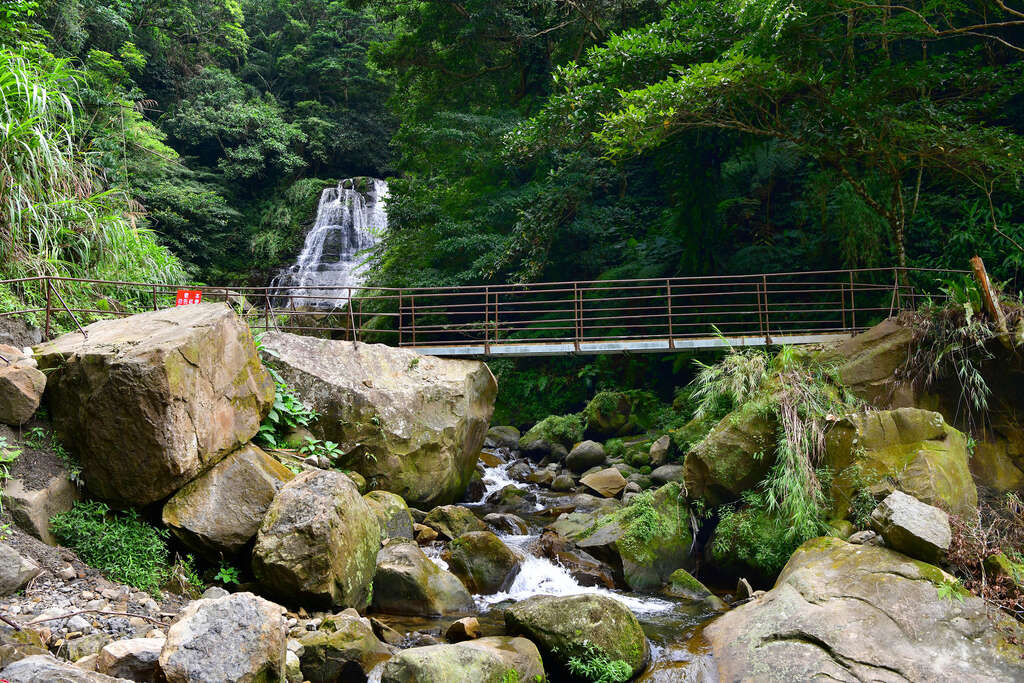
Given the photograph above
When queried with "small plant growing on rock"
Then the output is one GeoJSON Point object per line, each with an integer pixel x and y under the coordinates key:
{"type": "Point", "coordinates": [316, 447]}
{"type": "Point", "coordinates": [287, 413]}
{"type": "Point", "coordinates": [597, 667]}
{"type": "Point", "coordinates": [228, 575]}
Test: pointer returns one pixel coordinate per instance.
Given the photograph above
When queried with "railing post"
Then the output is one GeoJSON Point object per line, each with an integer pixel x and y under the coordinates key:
{"type": "Point", "coordinates": [671, 337]}
{"type": "Point", "coordinates": [577, 316]}
{"type": "Point", "coordinates": [155, 307]}
{"type": "Point", "coordinates": [401, 310]}
{"type": "Point", "coordinates": [47, 326]}
{"type": "Point", "coordinates": [767, 323]}
{"type": "Point", "coordinates": [352, 317]}
{"type": "Point", "coordinates": [412, 308]}
{"type": "Point", "coordinates": [853, 308]}
{"type": "Point", "coordinates": [487, 320]}
{"type": "Point", "coordinates": [266, 310]}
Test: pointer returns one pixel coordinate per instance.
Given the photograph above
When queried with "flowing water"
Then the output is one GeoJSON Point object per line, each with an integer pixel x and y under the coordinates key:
{"type": "Point", "coordinates": [679, 652]}
{"type": "Point", "coordinates": [350, 219]}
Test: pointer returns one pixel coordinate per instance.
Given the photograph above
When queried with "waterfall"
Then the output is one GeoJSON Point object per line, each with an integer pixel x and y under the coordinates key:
{"type": "Point", "coordinates": [349, 220]}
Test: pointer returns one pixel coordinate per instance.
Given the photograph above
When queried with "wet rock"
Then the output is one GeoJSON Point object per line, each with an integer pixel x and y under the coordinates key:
{"type": "Point", "coordinates": [482, 562]}
{"type": "Point", "coordinates": [392, 514]}
{"type": "Point", "coordinates": [484, 660]}
{"type": "Point", "coordinates": [502, 436]}
{"type": "Point", "coordinates": [541, 478]}
{"type": "Point", "coordinates": [451, 521]}
{"type": "Point", "coordinates": [344, 649]}
{"type": "Point", "coordinates": [21, 386]}
{"type": "Point", "coordinates": [667, 474]}
{"type": "Point", "coordinates": [236, 639]}
{"type": "Point", "coordinates": [407, 582]}
{"type": "Point", "coordinates": [135, 659]}
{"type": "Point", "coordinates": [15, 570]}
{"type": "Point", "coordinates": [424, 534]}
{"type": "Point", "coordinates": [318, 542]}
{"type": "Point", "coordinates": [410, 424]}
{"type": "Point", "coordinates": [466, 628]}
{"type": "Point", "coordinates": [219, 513]}
{"type": "Point", "coordinates": [490, 459]}
{"type": "Point", "coordinates": [31, 509]}
{"type": "Point", "coordinates": [569, 626]}
{"type": "Point", "coordinates": [513, 498]}
{"type": "Point", "coordinates": [857, 613]}
{"type": "Point", "coordinates": [682, 584]}
{"type": "Point", "coordinates": [48, 669]}
{"type": "Point", "coordinates": [584, 568]}
{"type": "Point", "coordinates": [585, 455]}
{"type": "Point", "coordinates": [385, 633]}
{"type": "Point", "coordinates": [506, 523]}
{"type": "Point", "coordinates": [150, 401]}
{"type": "Point", "coordinates": [608, 483]}
{"type": "Point", "coordinates": [912, 527]}
{"type": "Point", "coordinates": [563, 482]}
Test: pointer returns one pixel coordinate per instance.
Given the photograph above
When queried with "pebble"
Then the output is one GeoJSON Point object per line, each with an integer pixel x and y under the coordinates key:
{"type": "Point", "coordinates": [68, 573]}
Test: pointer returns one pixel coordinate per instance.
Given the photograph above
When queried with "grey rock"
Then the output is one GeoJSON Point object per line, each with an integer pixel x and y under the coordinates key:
{"type": "Point", "coordinates": [407, 582]}
{"type": "Point", "coordinates": [135, 659]}
{"type": "Point", "coordinates": [47, 669]}
{"type": "Point", "coordinates": [668, 473]}
{"type": "Point", "coordinates": [912, 527]}
{"type": "Point", "coordinates": [15, 570]}
{"type": "Point", "coordinates": [585, 455]}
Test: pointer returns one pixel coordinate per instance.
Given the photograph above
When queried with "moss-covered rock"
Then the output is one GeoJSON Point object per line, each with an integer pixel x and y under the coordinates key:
{"type": "Point", "coordinates": [620, 413]}
{"type": "Point", "coordinates": [580, 626]}
{"type": "Point", "coordinates": [750, 542]}
{"type": "Point", "coordinates": [451, 521]}
{"type": "Point", "coordinates": [682, 584]}
{"type": "Point", "coordinates": [914, 449]}
{"type": "Point", "coordinates": [407, 582]}
{"type": "Point", "coordinates": [392, 514]}
{"type": "Point", "coordinates": [496, 659]}
{"type": "Point", "coordinates": [343, 649]}
{"type": "Point", "coordinates": [564, 430]}
{"type": "Point", "coordinates": [482, 562]}
{"type": "Point", "coordinates": [318, 542]}
{"type": "Point", "coordinates": [855, 612]}
{"type": "Point", "coordinates": [734, 456]}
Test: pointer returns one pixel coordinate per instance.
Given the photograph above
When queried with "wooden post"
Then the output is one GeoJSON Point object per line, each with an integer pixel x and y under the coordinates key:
{"type": "Point", "coordinates": [991, 301]}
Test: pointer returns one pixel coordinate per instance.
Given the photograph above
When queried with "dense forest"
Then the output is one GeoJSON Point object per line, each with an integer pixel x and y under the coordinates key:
{"type": "Point", "coordinates": [524, 140]}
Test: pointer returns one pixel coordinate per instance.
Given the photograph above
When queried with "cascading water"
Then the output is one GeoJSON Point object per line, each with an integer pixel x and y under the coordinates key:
{"type": "Point", "coordinates": [350, 219]}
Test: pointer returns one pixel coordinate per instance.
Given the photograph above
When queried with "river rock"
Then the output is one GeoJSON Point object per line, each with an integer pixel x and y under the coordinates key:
{"type": "Point", "coordinates": [682, 584]}
{"type": "Point", "coordinates": [482, 562]}
{"type": "Point", "coordinates": [451, 521]}
{"type": "Point", "coordinates": [584, 568]}
{"type": "Point", "coordinates": [239, 638]}
{"type": "Point", "coordinates": [912, 527]}
{"type": "Point", "coordinates": [407, 582]}
{"type": "Point", "coordinates": [47, 669]}
{"type": "Point", "coordinates": [392, 514]}
{"type": "Point", "coordinates": [914, 448]}
{"type": "Point", "coordinates": [502, 437]}
{"type": "Point", "coordinates": [872, 359]}
{"type": "Point", "coordinates": [343, 649]}
{"type": "Point", "coordinates": [608, 482]}
{"type": "Point", "coordinates": [21, 386]}
{"type": "Point", "coordinates": [485, 660]}
{"type": "Point", "coordinates": [659, 451]}
{"type": "Point", "coordinates": [135, 659]}
{"type": "Point", "coordinates": [734, 457]}
{"type": "Point", "coordinates": [568, 626]}
{"type": "Point", "coordinates": [219, 512]}
{"type": "Point", "coordinates": [150, 401]}
{"type": "Point", "coordinates": [585, 455]}
{"type": "Point", "coordinates": [15, 570]}
{"type": "Point", "coordinates": [668, 473]}
{"type": "Point", "coordinates": [863, 613]}
{"type": "Point", "coordinates": [466, 628]}
{"type": "Point", "coordinates": [318, 542]}
{"type": "Point", "coordinates": [32, 509]}
{"type": "Point", "coordinates": [506, 523]}
{"type": "Point", "coordinates": [410, 424]}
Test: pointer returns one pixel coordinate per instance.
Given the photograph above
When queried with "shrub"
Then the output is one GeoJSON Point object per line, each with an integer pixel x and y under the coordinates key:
{"type": "Point", "coordinates": [563, 429]}
{"type": "Point", "coordinates": [752, 537]}
{"type": "Point", "coordinates": [121, 545]}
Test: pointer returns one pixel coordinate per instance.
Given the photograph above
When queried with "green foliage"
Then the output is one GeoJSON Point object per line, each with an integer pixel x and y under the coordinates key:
{"type": "Point", "coordinates": [184, 577]}
{"type": "Point", "coordinates": [120, 544]}
{"type": "Point", "coordinates": [596, 666]}
{"type": "Point", "coordinates": [316, 447]}
{"type": "Point", "coordinates": [753, 537]}
{"type": "Point", "coordinates": [287, 413]}
{"type": "Point", "coordinates": [227, 574]}
{"type": "Point", "coordinates": [952, 590]}
{"type": "Point", "coordinates": [564, 429]}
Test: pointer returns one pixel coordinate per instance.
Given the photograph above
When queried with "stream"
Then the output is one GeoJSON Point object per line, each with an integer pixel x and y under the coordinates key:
{"type": "Point", "coordinates": [679, 652]}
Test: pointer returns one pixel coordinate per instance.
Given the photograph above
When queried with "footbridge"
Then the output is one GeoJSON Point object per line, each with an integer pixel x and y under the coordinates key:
{"type": "Point", "coordinates": [654, 315]}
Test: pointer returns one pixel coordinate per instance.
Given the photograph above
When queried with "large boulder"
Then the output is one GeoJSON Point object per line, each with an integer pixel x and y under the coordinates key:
{"type": "Point", "coordinates": [871, 360]}
{"type": "Point", "coordinates": [343, 649]}
{"type": "Point", "coordinates": [912, 527]}
{"type": "Point", "coordinates": [219, 512]}
{"type": "Point", "coordinates": [482, 562]}
{"type": "Point", "coordinates": [502, 436]}
{"type": "Point", "coordinates": [863, 613]}
{"type": "Point", "coordinates": [239, 638]}
{"type": "Point", "coordinates": [734, 457]}
{"type": "Point", "coordinates": [392, 514]}
{"type": "Point", "coordinates": [41, 668]}
{"type": "Point", "coordinates": [585, 455]}
{"type": "Point", "coordinates": [15, 570]}
{"type": "Point", "coordinates": [31, 504]}
{"type": "Point", "coordinates": [407, 582]}
{"type": "Point", "coordinates": [410, 424]}
{"type": "Point", "coordinates": [913, 448]}
{"type": "Point", "coordinates": [496, 659]}
{"type": "Point", "coordinates": [580, 626]}
{"type": "Point", "coordinates": [318, 542]}
{"type": "Point", "coordinates": [21, 386]}
{"type": "Point", "coordinates": [149, 402]}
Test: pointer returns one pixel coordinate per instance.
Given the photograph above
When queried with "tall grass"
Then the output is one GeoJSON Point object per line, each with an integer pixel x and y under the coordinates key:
{"type": "Point", "coordinates": [56, 215]}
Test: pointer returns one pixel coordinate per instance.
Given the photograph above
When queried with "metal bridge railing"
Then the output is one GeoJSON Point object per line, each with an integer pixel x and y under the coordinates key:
{"type": "Point", "coordinates": [662, 313]}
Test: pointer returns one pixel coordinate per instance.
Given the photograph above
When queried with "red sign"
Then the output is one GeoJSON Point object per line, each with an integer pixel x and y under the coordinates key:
{"type": "Point", "coordinates": [189, 296]}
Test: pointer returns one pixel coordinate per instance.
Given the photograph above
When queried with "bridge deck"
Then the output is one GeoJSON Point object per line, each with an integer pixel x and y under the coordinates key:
{"type": "Point", "coordinates": [526, 348]}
